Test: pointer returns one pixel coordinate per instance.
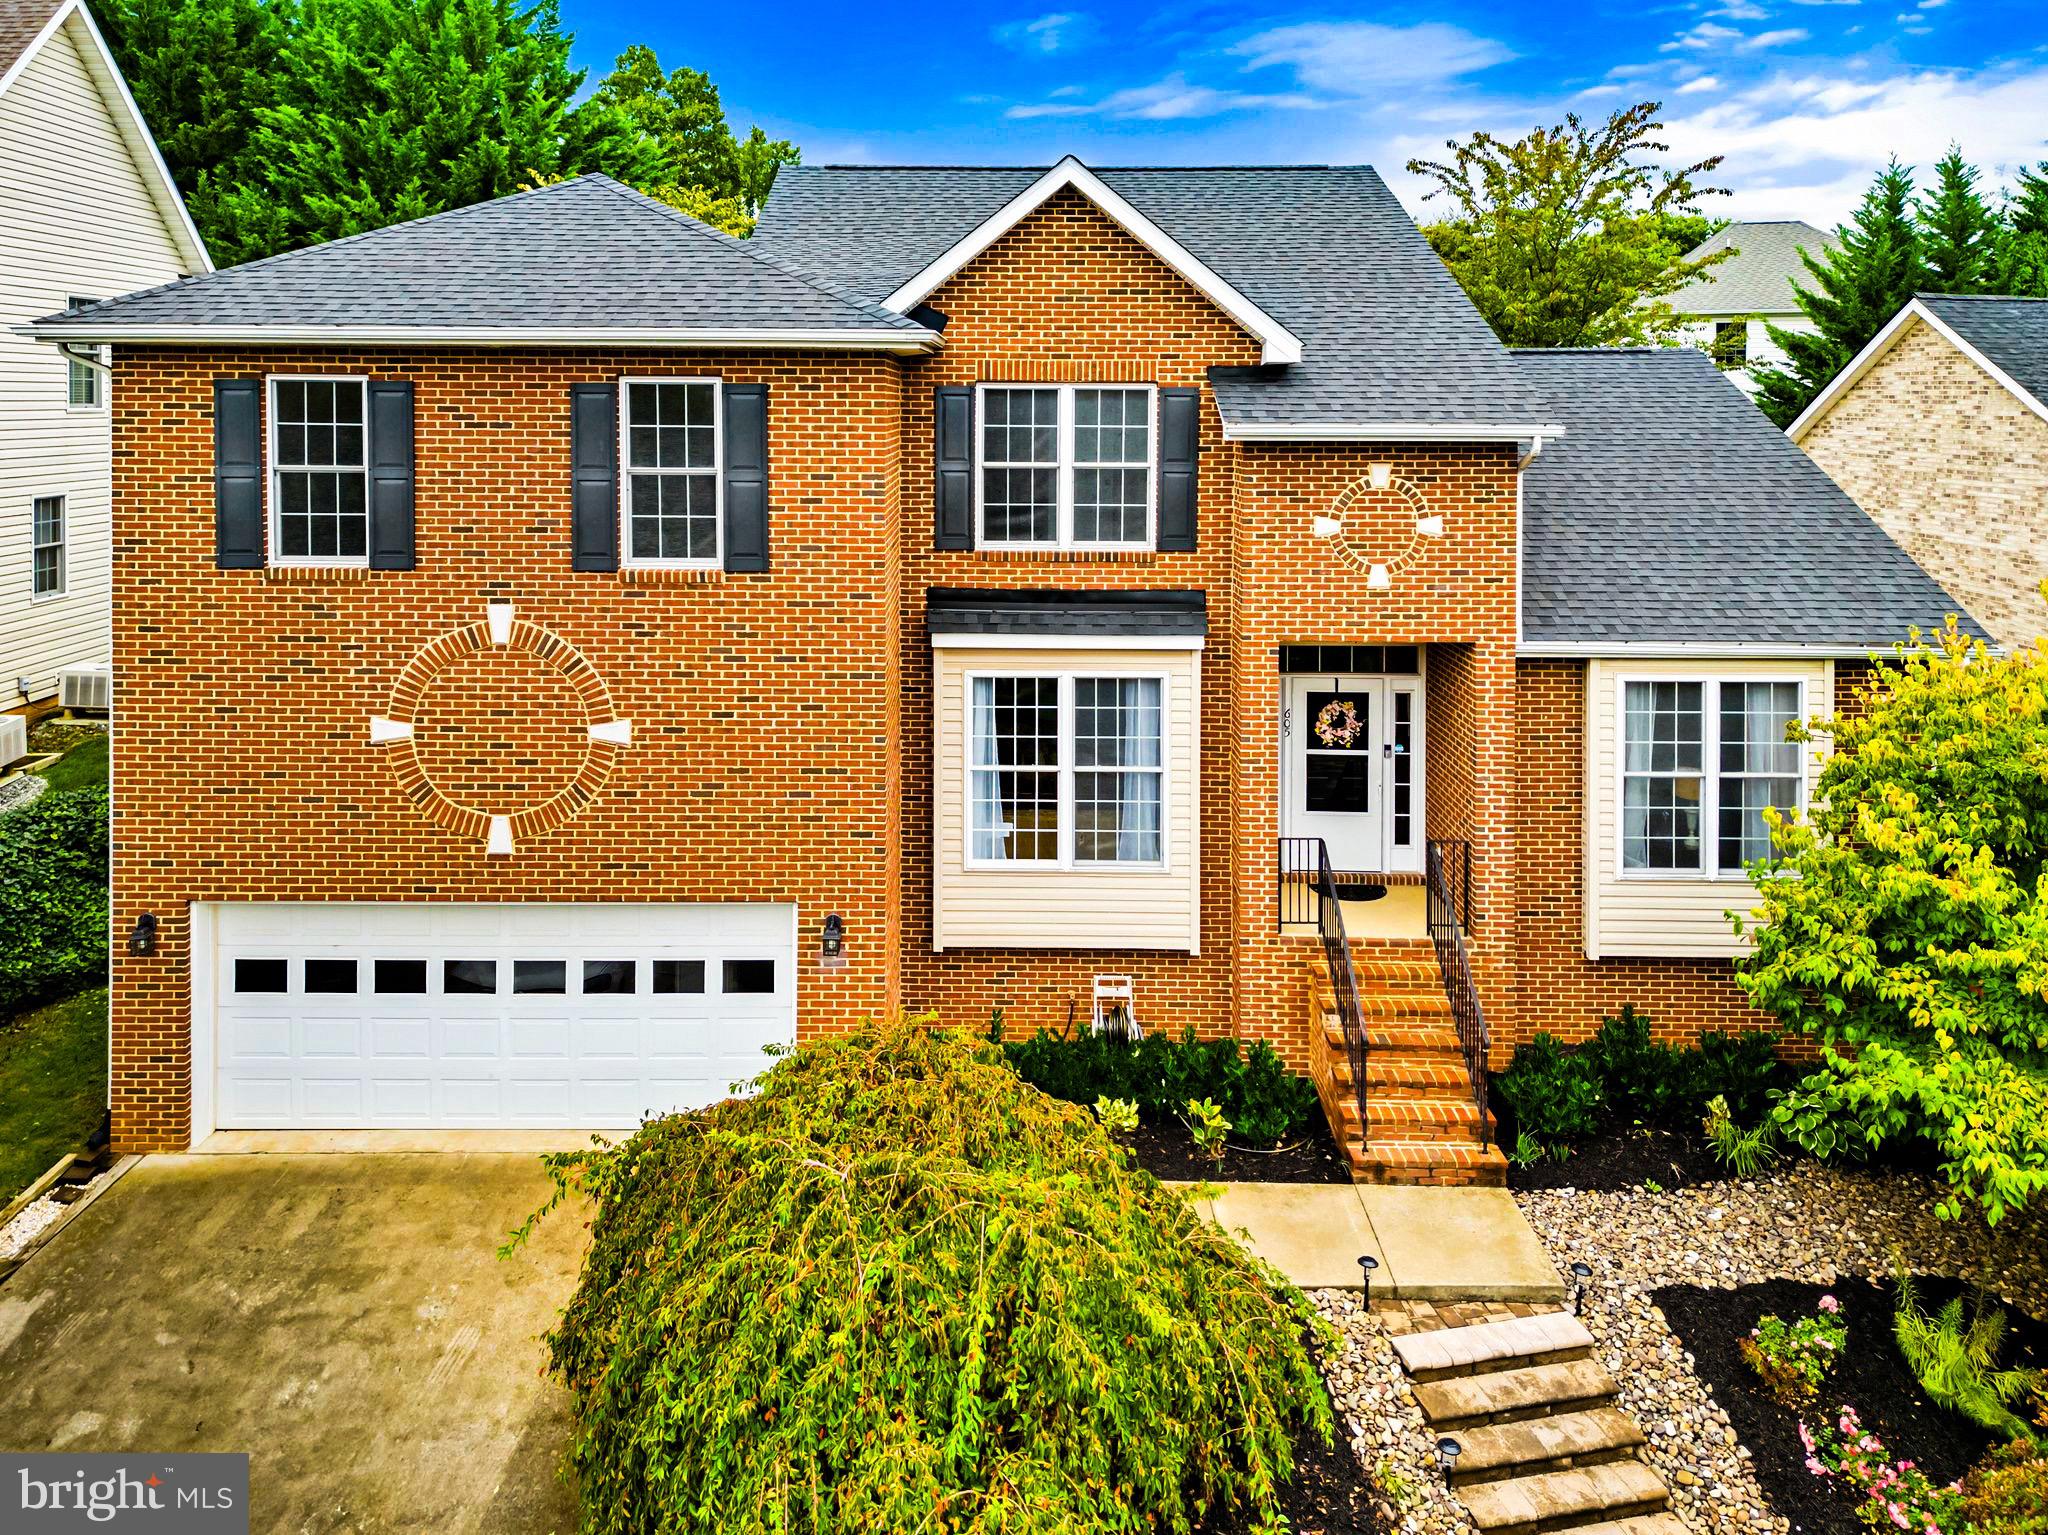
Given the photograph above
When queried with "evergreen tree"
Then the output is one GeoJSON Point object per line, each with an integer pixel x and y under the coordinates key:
{"type": "Point", "coordinates": [201, 70]}
{"type": "Point", "coordinates": [1858, 286]}
{"type": "Point", "coordinates": [2023, 239]}
{"type": "Point", "coordinates": [1958, 231]}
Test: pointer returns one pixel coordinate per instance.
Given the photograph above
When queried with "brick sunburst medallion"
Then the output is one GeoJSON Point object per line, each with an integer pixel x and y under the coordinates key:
{"type": "Point", "coordinates": [1380, 525]}
{"type": "Point", "coordinates": [501, 792]}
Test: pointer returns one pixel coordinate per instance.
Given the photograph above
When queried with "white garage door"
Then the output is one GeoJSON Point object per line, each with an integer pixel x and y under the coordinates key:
{"type": "Point", "coordinates": [373, 1016]}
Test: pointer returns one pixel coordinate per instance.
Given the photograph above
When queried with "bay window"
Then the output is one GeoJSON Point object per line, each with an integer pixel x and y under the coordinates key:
{"type": "Point", "coordinates": [1066, 465]}
{"type": "Point", "coordinates": [1701, 761]}
{"type": "Point", "coordinates": [1066, 770]}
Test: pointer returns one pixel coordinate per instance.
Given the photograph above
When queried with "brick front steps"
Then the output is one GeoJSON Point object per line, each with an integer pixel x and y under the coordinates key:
{"type": "Point", "coordinates": [1543, 1448]}
{"type": "Point", "coordinates": [1421, 1126]}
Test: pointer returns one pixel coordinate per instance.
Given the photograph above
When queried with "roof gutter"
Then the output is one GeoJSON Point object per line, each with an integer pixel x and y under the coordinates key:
{"type": "Point", "coordinates": [905, 342]}
{"type": "Point", "coordinates": [1385, 431]}
{"type": "Point", "coordinates": [1593, 650]}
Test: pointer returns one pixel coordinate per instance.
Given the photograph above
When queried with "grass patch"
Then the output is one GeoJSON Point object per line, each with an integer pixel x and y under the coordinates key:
{"type": "Point", "coordinates": [81, 767]}
{"type": "Point", "coordinates": [53, 1085]}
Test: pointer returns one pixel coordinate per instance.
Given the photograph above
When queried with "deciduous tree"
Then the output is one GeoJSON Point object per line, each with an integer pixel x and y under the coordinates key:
{"type": "Point", "coordinates": [1570, 236]}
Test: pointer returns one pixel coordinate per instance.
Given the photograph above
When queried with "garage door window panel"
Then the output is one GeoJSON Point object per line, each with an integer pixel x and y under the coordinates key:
{"type": "Point", "coordinates": [539, 977]}
{"type": "Point", "coordinates": [469, 977]}
{"type": "Point", "coordinates": [330, 977]}
{"type": "Point", "coordinates": [262, 975]}
{"type": "Point", "coordinates": [401, 977]}
{"type": "Point", "coordinates": [609, 977]}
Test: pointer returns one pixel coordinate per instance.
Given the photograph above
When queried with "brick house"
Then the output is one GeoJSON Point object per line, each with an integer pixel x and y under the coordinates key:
{"type": "Point", "coordinates": [565, 650]}
{"type": "Point", "coordinates": [1939, 430]}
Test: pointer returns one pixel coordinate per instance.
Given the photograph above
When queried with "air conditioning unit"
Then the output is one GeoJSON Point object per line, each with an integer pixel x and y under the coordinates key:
{"type": "Point", "coordinates": [86, 689]}
{"type": "Point", "coordinates": [13, 738]}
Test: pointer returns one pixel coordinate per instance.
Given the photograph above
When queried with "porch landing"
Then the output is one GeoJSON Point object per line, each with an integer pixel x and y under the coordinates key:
{"type": "Point", "coordinates": [1431, 1243]}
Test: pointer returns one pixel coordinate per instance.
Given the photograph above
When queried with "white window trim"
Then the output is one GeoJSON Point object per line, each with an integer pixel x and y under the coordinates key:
{"type": "Point", "coordinates": [1710, 870]}
{"type": "Point", "coordinates": [716, 560]}
{"type": "Point", "coordinates": [1066, 862]}
{"type": "Point", "coordinates": [271, 469]}
{"type": "Point", "coordinates": [63, 547]}
{"type": "Point", "coordinates": [100, 390]}
{"type": "Point", "coordinates": [1063, 522]}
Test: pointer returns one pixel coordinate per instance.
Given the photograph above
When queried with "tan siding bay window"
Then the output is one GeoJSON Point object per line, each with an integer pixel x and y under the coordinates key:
{"type": "Point", "coordinates": [1064, 806]}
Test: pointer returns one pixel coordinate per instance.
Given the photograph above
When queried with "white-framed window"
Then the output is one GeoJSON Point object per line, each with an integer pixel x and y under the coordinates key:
{"type": "Point", "coordinates": [1701, 759]}
{"type": "Point", "coordinates": [1066, 770]}
{"type": "Point", "coordinates": [1061, 466]}
{"type": "Point", "coordinates": [319, 470]}
{"type": "Point", "coordinates": [85, 389]}
{"type": "Point", "coordinates": [671, 490]}
{"type": "Point", "coordinates": [47, 537]}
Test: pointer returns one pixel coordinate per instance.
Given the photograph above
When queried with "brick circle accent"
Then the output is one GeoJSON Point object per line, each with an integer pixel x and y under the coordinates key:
{"type": "Point", "coordinates": [1379, 527]}
{"type": "Point", "coordinates": [590, 704]}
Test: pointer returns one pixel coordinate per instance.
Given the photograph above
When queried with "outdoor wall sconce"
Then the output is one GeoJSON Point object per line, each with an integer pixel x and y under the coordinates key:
{"type": "Point", "coordinates": [1366, 1264]}
{"type": "Point", "coordinates": [142, 938]}
{"type": "Point", "coordinates": [1447, 1453]}
{"type": "Point", "coordinates": [1581, 1272]}
{"type": "Point", "coordinates": [832, 942]}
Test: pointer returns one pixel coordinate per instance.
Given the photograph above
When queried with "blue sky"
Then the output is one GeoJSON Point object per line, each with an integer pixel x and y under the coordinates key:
{"type": "Point", "coordinates": [1804, 97]}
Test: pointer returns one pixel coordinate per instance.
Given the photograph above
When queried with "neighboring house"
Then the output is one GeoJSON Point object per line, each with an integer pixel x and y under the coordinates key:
{"type": "Point", "coordinates": [565, 650]}
{"type": "Point", "coordinates": [1729, 308]}
{"type": "Point", "coordinates": [87, 211]}
{"type": "Point", "coordinates": [1939, 430]}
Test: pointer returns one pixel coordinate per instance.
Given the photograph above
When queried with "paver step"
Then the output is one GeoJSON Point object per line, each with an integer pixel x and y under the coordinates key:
{"type": "Point", "coordinates": [1510, 1396]}
{"type": "Point", "coordinates": [1391, 1159]}
{"type": "Point", "coordinates": [1559, 1500]}
{"type": "Point", "coordinates": [1642, 1524]}
{"type": "Point", "coordinates": [1558, 1443]}
{"type": "Point", "coordinates": [1548, 1337]}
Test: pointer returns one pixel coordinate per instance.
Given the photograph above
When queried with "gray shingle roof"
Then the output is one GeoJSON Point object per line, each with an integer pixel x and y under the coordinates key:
{"type": "Point", "coordinates": [1325, 250]}
{"type": "Point", "coordinates": [20, 21]}
{"type": "Point", "coordinates": [588, 253]}
{"type": "Point", "coordinates": [1136, 614]}
{"type": "Point", "coordinates": [1674, 512]}
{"type": "Point", "coordinates": [1758, 278]}
{"type": "Point", "coordinates": [2012, 333]}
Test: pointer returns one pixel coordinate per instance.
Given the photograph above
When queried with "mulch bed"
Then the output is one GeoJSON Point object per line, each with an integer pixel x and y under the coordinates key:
{"type": "Point", "coordinates": [1625, 1159]}
{"type": "Point", "coordinates": [1167, 1151]}
{"type": "Point", "coordinates": [1331, 1494]}
{"type": "Point", "coordinates": [1872, 1377]}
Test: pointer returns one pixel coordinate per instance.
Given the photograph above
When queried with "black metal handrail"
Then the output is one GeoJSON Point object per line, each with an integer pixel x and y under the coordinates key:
{"type": "Point", "coordinates": [1450, 916]}
{"type": "Point", "coordinates": [1308, 894]}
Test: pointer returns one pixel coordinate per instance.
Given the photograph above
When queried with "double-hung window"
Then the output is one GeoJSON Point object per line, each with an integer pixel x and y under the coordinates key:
{"type": "Point", "coordinates": [671, 486]}
{"type": "Point", "coordinates": [1702, 759]}
{"type": "Point", "coordinates": [319, 474]}
{"type": "Point", "coordinates": [84, 388]}
{"type": "Point", "coordinates": [47, 542]}
{"type": "Point", "coordinates": [1067, 770]}
{"type": "Point", "coordinates": [1066, 465]}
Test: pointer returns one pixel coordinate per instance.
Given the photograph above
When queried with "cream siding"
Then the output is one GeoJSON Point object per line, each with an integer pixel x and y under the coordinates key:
{"type": "Point", "coordinates": [76, 217]}
{"type": "Point", "coordinates": [1074, 908]}
{"type": "Point", "coordinates": [1633, 916]}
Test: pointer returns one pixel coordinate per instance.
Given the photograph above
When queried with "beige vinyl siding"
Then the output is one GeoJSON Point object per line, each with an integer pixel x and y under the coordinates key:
{"type": "Point", "coordinates": [1630, 915]}
{"type": "Point", "coordinates": [1075, 908]}
{"type": "Point", "coordinates": [76, 217]}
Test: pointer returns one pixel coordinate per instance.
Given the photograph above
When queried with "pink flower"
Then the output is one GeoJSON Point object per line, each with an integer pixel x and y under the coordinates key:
{"type": "Point", "coordinates": [1815, 1467]}
{"type": "Point", "coordinates": [1829, 1304]}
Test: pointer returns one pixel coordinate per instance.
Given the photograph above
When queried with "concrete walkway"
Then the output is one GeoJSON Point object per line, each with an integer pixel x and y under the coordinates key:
{"type": "Point", "coordinates": [1432, 1243]}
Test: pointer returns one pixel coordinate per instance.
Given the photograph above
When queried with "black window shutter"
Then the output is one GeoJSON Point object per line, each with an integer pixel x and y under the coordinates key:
{"type": "Point", "coordinates": [238, 473]}
{"type": "Point", "coordinates": [953, 459]}
{"type": "Point", "coordinates": [594, 476]}
{"type": "Point", "coordinates": [391, 464]}
{"type": "Point", "coordinates": [1180, 430]}
{"type": "Point", "coordinates": [746, 477]}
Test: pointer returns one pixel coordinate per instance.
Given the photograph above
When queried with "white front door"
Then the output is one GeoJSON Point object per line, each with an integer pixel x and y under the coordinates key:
{"type": "Point", "coordinates": [1358, 787]}
{"type": "Point", "coordinates": [364, 1016]}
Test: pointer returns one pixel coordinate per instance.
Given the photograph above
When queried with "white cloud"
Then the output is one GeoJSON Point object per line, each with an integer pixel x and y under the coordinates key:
{"type": "Point", "coordinates": [1740, 10]}
{"type": "Point", "coordinates": [1172, 98]}
{"type": "Point", "coordinates": [1707, 34]}
{"type": "Point", "coordinates": [1775, 39]}
{"type": "Point", "coordinates": [1703, 83]}
{"type": "Point", "coordinates": [1348, 57]}
{"type": "Point", "coordinates": [1054, 32]}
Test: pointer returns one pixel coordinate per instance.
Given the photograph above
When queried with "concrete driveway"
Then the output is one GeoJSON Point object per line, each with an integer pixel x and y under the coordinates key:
{"type": "Point", "coordinates": [344, 1319]}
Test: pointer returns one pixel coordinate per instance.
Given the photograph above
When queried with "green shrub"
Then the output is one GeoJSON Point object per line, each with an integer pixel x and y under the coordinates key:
{"type": "Point", "coordinates": [1955, 1358]}
{"type": "Point", "coordinates": [53, 897]}
{"type": "Point", "coordinates": [1745, 1152]}
{"type": "Point", "coordinates": [1555, 1092]}
{"type": "Point", "coordinates": [1794, 1359]}
{"type": "Point", "coordinates": [1641, 1080]}
{"type": "Point", "coordinates": [898, 1290]}
{"type": "Point", "coordinates": [2006, 1493]}
{"type": "Point", "coordinates": [1743, 1069]}
{"type": "Point", "coordinates": [1264, 1102]}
